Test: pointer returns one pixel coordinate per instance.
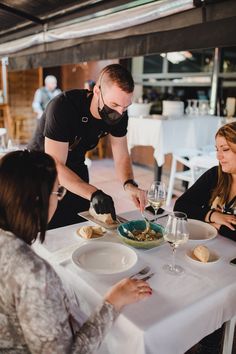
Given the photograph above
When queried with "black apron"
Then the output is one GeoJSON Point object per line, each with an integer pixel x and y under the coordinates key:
{"type": "Point", "coordinates": [69, 207]}
{"type": "Point", "coordinates": [71, 204]}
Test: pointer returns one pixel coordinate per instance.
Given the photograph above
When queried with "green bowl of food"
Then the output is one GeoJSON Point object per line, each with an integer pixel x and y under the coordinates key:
{"type": "Point", "coordinates": [133, 233]}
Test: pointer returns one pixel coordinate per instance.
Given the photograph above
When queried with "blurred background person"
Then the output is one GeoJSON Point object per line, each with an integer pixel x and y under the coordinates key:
{"type": "Point", "coordinates": [44, 94]}
{"type": "Point", "coordinates": [89, 85]}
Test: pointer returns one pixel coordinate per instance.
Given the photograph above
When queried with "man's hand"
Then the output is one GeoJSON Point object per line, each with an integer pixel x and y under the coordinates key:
{"type": "Point", "coordinates": [138, 196]}
{"type": "Point", "coordinates": [103, 203]}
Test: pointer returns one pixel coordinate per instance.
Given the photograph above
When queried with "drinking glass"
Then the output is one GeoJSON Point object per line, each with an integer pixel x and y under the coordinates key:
{"type": "Point", "coordinates": [176, 233]}
{"type": "Point", "coordinates": [156, 195]}
{"type": "Point", "coordinates": [189, 108]}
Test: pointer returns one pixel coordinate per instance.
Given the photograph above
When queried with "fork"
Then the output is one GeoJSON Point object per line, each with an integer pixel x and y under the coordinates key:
{"type": "Point", "coordinates": [141, 272]}
{"type": "Point", "coordinates": [147, 277]}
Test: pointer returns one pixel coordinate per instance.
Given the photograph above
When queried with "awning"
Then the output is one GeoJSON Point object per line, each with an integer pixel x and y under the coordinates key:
{"type": "Point", "coordinates": [154, 27]}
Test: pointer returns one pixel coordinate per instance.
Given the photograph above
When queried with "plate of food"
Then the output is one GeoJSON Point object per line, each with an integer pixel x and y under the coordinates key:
{"type": "Point", "coordinates": [104, 258]}
{"type": "Point", "coordinates": [200, 231]}
{"type": "Point", "coordinates": [135, 234]}
{"type": "Point", "coordinates": [91, 233]}
{"type": "Point", "coordinates": [104, 220]}
{"type": "Point", "coordinates": [202, 255]}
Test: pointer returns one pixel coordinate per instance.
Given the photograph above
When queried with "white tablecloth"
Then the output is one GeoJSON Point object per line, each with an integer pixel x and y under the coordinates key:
{"type": "Point", "coordinates": [165, 135]}
{"type": "Point", "coordinates": [182, 309]}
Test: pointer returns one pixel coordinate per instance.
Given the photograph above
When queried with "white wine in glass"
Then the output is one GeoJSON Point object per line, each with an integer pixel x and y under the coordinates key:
{"type": "Point", "coordinates": [156, 195]}
{"type": "Point", "coordinates": [176, 233]}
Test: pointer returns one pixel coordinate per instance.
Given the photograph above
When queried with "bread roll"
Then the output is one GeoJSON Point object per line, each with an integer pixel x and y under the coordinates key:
{"type": "Point", "coordinates": [85, 231]}
{"type": "Point", "coordinates": [105, 218]}
{"type": "Point", "coordinates": [97, 230]}
{"type": "Point", "coordinates": [201, 253]}
{"type": "Point", "coordinates": [91, 231]}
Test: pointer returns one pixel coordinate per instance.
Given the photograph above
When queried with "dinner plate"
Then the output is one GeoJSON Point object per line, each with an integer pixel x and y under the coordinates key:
{"type": "Point", "coordinates": [97, 237]}
{"type": "Point", "coordinates": [86, 215]}
{"type": "Point", "coordinates": [104, 258]}
{"type": "Point", "coordinates": [200, 231]}
{"type": "Point", "coordinates": [214, 257]}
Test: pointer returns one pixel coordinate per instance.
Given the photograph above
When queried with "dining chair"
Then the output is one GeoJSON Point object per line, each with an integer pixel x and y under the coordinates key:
{"type": "Point", "coordinates": [202, 163]}
{"type": "Point", "coordinates": [183, 156]}
{"type": "Point", "coordinates": [3, 133]}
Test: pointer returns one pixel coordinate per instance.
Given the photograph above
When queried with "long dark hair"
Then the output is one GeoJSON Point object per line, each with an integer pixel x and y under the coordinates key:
{"type": "Point", "coordinates": [222, 190]}
{"type": "Point", "coordinates": [26, 182]}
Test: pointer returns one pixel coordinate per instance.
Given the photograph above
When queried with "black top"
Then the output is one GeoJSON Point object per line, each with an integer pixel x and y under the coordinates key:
{"type": "Point", "coordinates": [195, 202]}
{"type": "Point", "coordinates": [67, 118]}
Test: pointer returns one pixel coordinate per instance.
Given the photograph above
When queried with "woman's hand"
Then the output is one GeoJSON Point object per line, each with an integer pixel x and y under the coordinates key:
{"type": "Point", "coordinates": [218, 219]}
{"type": "Point", "coordinates": [138, 196]}
{"type": "Point", "coordinates": [127, 291]}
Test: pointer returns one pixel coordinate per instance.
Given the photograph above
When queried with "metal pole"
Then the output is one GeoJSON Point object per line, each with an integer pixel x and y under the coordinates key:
{"type": "Point", "coordinates": [214, 81]}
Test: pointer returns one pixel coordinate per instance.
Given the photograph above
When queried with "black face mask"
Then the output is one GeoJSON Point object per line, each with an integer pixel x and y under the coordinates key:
{"type": "Point", "coordinates": [109, 115]}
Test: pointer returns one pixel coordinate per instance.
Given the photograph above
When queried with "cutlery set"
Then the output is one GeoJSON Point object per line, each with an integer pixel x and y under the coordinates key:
{"type": "Point", "coordinates": [142, 272]}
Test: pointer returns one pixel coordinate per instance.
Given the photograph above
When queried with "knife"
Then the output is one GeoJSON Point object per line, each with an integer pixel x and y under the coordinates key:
{"type": "Point", "coordinates": [121, 219]}
{"type": "Point", "coordinates": [159, 217]}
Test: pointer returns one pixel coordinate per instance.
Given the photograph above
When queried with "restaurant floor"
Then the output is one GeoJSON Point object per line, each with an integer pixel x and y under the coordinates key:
{"type": "Point", "coordinates": [102, 175]}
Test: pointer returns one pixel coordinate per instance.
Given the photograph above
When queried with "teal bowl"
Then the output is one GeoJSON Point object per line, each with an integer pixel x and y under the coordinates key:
{"type": "Point", "coordinates": [140, 225]}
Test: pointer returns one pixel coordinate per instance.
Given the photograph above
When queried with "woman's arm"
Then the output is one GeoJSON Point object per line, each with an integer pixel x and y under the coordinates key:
{"type": "Point", "coordinates": [42, 309]}
{"type": "Point", "coordinates": [195, 201]}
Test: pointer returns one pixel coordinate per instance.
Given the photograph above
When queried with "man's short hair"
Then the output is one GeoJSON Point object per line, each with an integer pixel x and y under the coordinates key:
{"type": "Point", "coordinates": [50, 78]}
{"type": "Point", "coordinates": [120, 76]}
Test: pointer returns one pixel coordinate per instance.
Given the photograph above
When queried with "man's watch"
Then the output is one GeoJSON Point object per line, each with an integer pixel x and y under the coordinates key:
{"type": "Point", "coordinates": [130, 181]}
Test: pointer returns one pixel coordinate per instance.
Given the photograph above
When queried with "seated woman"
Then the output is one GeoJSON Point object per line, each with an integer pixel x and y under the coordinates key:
{"type": "Point", "coordinates": [212, 198]}
{"type": "Point", "coordinates": [33, 305]}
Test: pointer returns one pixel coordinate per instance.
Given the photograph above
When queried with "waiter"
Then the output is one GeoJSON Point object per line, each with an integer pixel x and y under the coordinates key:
{"type": "Point", "coordinates": [72, 124]}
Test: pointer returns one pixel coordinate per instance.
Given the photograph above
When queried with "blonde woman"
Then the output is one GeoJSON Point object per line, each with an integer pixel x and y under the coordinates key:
{"type": "Point", "coordinates": [213, 197]}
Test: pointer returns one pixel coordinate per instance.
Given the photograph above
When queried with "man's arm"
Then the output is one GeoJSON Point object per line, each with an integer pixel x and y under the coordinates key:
{"type": "Point", "coordinates": [67, 178]}
{"type": "Point", "coordinates": [37, 108]}
{"type": "Point", "coordinates": [124, 170]}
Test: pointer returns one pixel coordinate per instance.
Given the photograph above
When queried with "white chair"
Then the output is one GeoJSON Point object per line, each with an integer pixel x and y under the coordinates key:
{"type": "Point", "coordinates": [183, 156]}
{"type": "Point", "coordinates": [202, 163]}
{"type": "Point", "coordinates": [3, 133]}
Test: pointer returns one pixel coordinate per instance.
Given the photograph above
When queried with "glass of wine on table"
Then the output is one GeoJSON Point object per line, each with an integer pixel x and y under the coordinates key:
{"type": "Point", "coordinates": [156, 195]}
{"type": "Point", "coordinates": [176, 233]}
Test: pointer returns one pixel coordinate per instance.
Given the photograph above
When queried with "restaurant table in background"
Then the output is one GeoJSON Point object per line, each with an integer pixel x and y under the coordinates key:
{"type": "Point", "coordinates": [181, 311]}
{"type": "Point", "coordinates": [166, 135]}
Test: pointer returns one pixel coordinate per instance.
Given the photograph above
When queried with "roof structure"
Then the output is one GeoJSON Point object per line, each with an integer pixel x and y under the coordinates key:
{"type": "Point", "coordinates": [55, 32]}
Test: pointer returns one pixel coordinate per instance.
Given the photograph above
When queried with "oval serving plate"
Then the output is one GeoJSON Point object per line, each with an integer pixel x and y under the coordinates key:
{"type": "Point", "coordinates": [104, 258]}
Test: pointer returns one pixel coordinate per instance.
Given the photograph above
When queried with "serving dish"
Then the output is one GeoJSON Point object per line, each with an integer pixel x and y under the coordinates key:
{"type": "Point", "coordinates": [140, 225]}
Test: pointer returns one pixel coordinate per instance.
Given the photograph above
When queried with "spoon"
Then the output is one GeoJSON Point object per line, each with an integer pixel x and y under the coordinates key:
{"type": "Point", "coordinates": [147, 224]}
{"type": "Point", "coordinates": [129, 233]}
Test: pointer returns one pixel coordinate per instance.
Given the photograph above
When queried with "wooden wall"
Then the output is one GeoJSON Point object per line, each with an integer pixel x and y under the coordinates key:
{"type": "Point", "coordinates": [21, 88]}
{"type": "Point", "coordinates": [23, 84]}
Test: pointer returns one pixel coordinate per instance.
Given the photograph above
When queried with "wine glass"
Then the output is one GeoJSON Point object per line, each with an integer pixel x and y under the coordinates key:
{"type": "Point", "coordinates": [176, 233]}
{"type": "Point", "coordinates": [156, 195]}
{"type": "Point", "coordinates": [189, 109]}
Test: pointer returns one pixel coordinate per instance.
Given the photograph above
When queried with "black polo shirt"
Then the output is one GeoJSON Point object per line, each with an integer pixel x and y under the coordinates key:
{"type": "Point", "coordinates": [68, 119]}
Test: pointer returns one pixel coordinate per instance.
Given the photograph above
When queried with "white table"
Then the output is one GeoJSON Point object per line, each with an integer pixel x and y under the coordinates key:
{"type": "Point", "coordinates": [167, 135]}
{"type": "Point", "coordinates": [182, 309]}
